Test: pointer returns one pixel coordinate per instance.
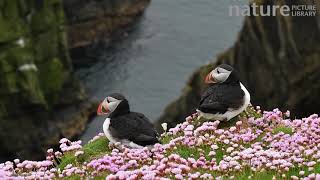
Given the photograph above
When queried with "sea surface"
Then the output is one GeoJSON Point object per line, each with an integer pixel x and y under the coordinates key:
{"type": "Point", "coordinates": [152, 64]}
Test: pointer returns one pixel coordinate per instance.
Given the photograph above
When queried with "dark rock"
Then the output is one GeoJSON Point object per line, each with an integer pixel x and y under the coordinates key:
{"type": "Point", "coordinates": [40, 100]}
{"type": "Point", "coordinates": [278, 59]}
{"type": "Point", "coordinates": [89, 21]}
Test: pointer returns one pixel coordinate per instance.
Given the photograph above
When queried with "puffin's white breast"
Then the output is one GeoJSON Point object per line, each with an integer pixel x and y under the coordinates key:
{"type": "Point", "coordinates": [106, 131]}
{"type": "Point", "coordinates": [246, 96]}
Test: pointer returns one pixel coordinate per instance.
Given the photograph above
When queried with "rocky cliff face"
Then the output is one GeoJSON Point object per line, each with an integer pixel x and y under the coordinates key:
{"type": "Point", "coordinates": [40, 100]}
{"type": "Point", "coordinates": [90, 22]}
{"type": "Point", "coordinates": [278, 59]}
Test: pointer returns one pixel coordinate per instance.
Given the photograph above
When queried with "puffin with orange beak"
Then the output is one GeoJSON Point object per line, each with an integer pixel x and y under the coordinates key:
{"type": "Point", "coordinates": [226, 96]}
{"type": "Point", "coordinates": [121, 125]}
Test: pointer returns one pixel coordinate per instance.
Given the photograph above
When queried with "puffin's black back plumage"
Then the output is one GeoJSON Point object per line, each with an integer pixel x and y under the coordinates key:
{"type": "Point", "coordinates": [219, 97]}
{"type": "Point", "coordinates": [134, 127]}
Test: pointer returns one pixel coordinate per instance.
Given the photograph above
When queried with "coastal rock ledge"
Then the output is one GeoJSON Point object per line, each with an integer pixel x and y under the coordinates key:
{"type": "Point", "coordinates": [91, 20]}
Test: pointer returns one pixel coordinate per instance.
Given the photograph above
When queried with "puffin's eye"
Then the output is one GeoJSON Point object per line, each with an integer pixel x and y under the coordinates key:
{"type": "Point", "coordinates": [218, 71]}
{"type": "Point", "coordinates": [111, 99]}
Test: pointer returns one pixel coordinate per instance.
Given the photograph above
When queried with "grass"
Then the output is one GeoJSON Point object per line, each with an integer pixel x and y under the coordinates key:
{"type": "Point", "coordinates": [185, 152]}
{"type": "Point", "coordinates": [166, 139]}
{"type": "Point", "coordinates": [268, 175]}
{"type": "Point", "coordinates": [194, 152]}
{"type": "Point", "coordinates": [251, 112]}
{"type": "Point", "coordinates": [74, 177]}
{"type": "Point", "coordinates": [92, 150]}
{"type": "Point", "coordinates": [219, 154]}
{"type": "Point", "coordinates": [254, 175]}
{"type": "Point", "coordinates": [227, 124]}
{"type": "Point", "coordinates": [286, 130]}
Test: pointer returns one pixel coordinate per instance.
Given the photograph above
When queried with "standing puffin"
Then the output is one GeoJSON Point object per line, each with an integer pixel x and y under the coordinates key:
{"type": "Point", "coordinates": [226, 97]}
{"type": "Point", "coordinates": [121, 125]}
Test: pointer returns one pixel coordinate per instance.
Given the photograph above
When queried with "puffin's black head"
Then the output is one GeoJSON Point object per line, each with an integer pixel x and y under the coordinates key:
{"type": "Point", "coordinates": [224, 73]}
{"type": "Point", "coordinates": [113, 105]}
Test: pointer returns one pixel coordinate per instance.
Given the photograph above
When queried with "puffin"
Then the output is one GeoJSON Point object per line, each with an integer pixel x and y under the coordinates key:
{"type": "Point", "coordinates": [121, 125]}
{"type": "Point", "coordinates": [226, 96]}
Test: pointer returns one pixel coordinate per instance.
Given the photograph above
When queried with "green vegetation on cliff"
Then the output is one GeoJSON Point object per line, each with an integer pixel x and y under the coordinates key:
{"type": "Point", "coordinates": [32, 48]}
{"type": "Point", "coordinates": [35, 74]}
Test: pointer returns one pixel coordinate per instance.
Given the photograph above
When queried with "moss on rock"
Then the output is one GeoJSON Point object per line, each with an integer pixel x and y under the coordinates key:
{"type": "Point", "coordinates": [35, 76]}
{"type": "Point", "coordinates": [12, 25]}
{"type": "Point", "coordinates": [52, 78]}
{"type": "Point", "coordinates": [44, 17]}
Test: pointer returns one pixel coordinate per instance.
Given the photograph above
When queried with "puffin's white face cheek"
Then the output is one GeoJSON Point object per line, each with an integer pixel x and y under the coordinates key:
{"type": "Point", "coordinates": [220, 74]}
{"type": "Point", "coordinates": [113, 103]}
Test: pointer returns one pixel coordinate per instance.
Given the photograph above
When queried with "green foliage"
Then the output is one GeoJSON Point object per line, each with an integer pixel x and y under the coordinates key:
{"type": "Point", "coordinates": [12, 79]}
{"type": "Point", "coordinates": [53, 77]}
{"type": "Point", "coordinates": [74, 177]}
{"type": "Point", "coordinates": [11, 24]}
{"type": "Point", "coordinates": [166, 139]}
{"type": "Point", "coordinates": [193, 152]}
{"type": "Point", "coordinates": [286, 130]}
{"type": "Point", "coordinates": [91, 151]}
{"type": "Point", "coordinates": [265, 175]}
{"type": "Point", "coordinates": [32, 33]}
{"type": "Point", "coordinates": [68, 158]}
{"type": "Point", "coordinates": [46, 46]}
{"type": "Point", "coordinates": [227, 124]}
{"type": "Point", "coordinates": [268, 175]}
{"type": "Point", "coordinates": [317, 168]}
{"type": "Point", "coordinates": [45, 17]}
{"type": "Point", "coordinates": [251, 112]}
{"type": "Point", "coordinates": [184, 151]}
{"type": "Point", "coordinates": [96, 148]}
{"type": "Point", "coordinates": [219, 154]}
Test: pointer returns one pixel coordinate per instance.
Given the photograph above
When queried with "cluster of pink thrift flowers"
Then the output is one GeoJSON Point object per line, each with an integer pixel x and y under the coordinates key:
{"type": "Point", "coordinates": [269, 146]}
{"type": "Point", "coordinates": [66, 145]}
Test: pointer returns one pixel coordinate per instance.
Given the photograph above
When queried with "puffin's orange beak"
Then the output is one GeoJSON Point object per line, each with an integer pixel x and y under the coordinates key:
{"type": "Point", "coordinates": [102, 109]}
{"type": "Point", "coordinates": [209, 79]}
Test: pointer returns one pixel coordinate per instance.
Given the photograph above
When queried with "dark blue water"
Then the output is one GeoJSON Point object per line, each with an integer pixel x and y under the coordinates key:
{"type": "Point", "coordinates": [151, 66]}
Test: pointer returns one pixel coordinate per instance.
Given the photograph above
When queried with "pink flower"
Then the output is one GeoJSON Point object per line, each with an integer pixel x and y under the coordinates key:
{"type": "Point", "coordinates": [226, 141]}
{"type": "Point", "coordinates": [16, 161]}
{"type": "Point", "coordinates": [239, 123]}
{"type": "Point", "coordinates": [64, 140]}
{"type": "Point", "coordinates": [50, 151]}
{"type": "Point", "coordinates": [178, 176]}
{"type": "Point", "coordinates": [233, 128]}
